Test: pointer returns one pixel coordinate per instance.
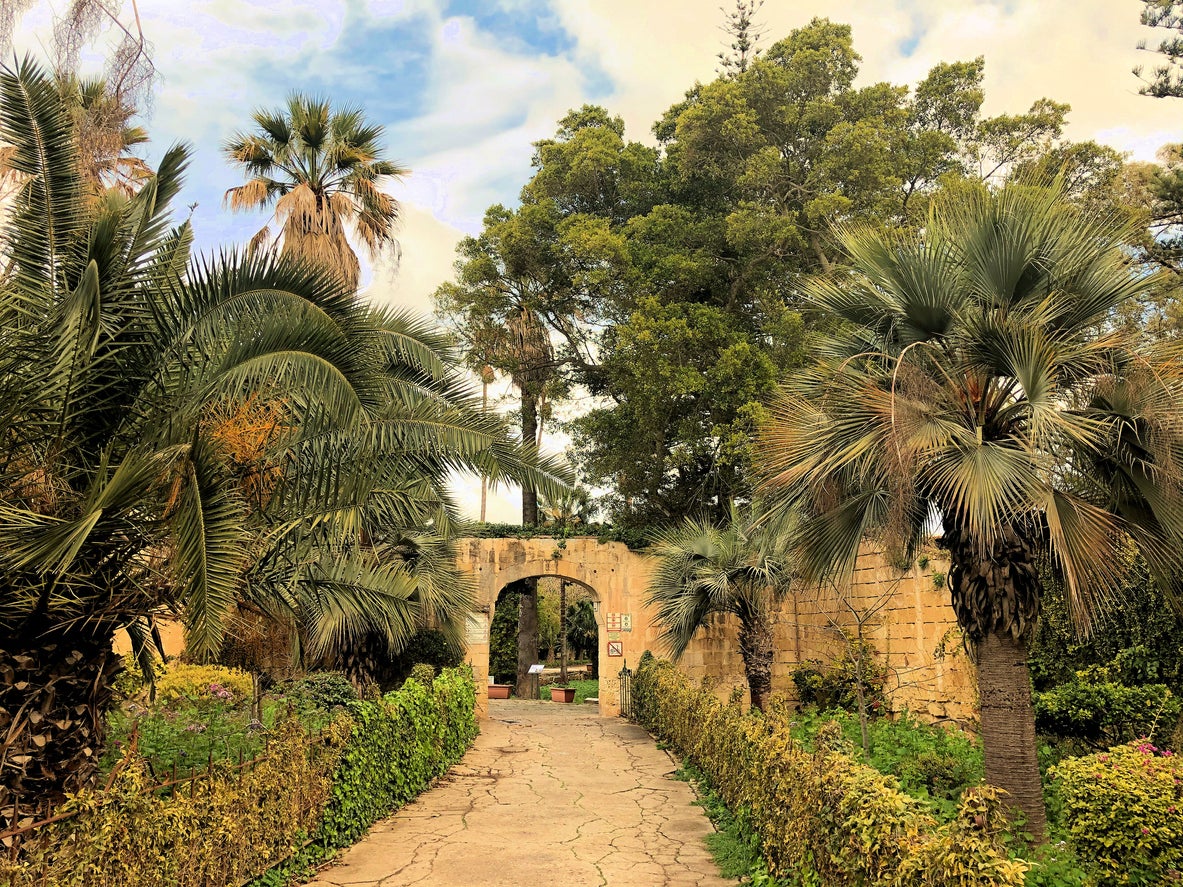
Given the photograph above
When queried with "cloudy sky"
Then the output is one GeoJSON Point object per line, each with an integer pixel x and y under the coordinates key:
{"type": "Point", "coordinates": [465, 86]}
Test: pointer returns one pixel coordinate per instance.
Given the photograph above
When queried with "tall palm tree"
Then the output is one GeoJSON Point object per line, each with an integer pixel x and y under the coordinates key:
{"type": "Point", "coordinates": [116, 501]}
{"type": "Point", "coordinates": [702, 569]}
{"type": "Point", "coordinates": [323, 171]}
{"type": "Point", "coordinates": [978, 384]}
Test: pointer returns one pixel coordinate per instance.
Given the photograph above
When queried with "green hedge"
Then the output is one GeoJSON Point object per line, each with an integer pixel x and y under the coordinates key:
{"type": "Point", "coordinates": [306, 798]}
{"type": "Point", "coordinates": [1101, 712]}
{"type": "Point", "coordinates": [822, 817]}
{"type": "Point", "coordinates": [634, 537]}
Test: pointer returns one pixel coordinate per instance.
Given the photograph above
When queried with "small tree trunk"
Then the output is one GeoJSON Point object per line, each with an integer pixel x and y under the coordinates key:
{"type": "Point", "coordinates": [755, 645]}
{"type": "Point", "coordinates": [860, 688]}
{"type": "Point", "coordinates": [1008, 727]}
{"type": "Point", "coordinates": [563, 630]}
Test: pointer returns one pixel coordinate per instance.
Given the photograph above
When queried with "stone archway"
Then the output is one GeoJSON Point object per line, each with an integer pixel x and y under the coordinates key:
{"type": "Point", "coordinates": [616, 576]}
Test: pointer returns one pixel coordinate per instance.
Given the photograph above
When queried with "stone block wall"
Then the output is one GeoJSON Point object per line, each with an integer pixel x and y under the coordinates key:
{"type": "Point", "coordinates": [908, 620]}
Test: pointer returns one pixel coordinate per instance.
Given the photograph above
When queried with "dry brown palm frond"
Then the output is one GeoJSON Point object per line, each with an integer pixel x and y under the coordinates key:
{"type": "Point", "coordinates": [260, 239]}
{"type": "Point", "coordinates": [253, 195]}
{"type": "Point", "coordinates": [531, 347]}
{"type": "Point", "coordinates": [38, 490]}
{"type": "Point", "coordinates": [341, 208]}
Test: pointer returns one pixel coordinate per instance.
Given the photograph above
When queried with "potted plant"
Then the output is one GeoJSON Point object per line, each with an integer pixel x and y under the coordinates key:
{"type": "Point", "coordinates": [562, 694]}
{"type": "Point", "coordinates": [499, 691]}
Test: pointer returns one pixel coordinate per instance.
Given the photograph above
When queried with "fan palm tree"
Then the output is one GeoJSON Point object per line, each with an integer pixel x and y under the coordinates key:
{"type": "Point", "coordinates": [978, 385]}
{"type": "Point", "coordinates": [323, 171]}
{"type": "Point", "coordinates": [702, 569]}
{"type": "Point", "coordinates": [104, 134]}
{"type": "Point", "coordinates": [116, 501]}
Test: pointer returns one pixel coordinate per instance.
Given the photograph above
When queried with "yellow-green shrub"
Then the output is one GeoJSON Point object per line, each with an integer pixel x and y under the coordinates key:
{"type": "Point", "coordinates": [300, 802]}
{"type": "Point", "coordinates": [198, 683]}
{"type": "Point", "coordinates": [215, 830]}
{"type": "Point", "coordinates": [1123, 810]}
{"type": "Point", "coordinates": [822, 817]}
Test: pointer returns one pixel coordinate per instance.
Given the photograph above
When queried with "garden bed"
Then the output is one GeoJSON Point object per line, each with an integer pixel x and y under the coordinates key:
{"type": "Point", "coordinates": [326, 770]}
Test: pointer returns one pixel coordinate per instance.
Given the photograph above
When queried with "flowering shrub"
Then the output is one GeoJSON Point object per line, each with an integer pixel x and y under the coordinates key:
{"type": "Point", "coordinates": [821, 816]}
{"type": "Point", "coordinates": [203, 683]}
{"type": "Point", "coordinates": [1123, 810]}
{"type": "Point", "coordinates": [202, 713]}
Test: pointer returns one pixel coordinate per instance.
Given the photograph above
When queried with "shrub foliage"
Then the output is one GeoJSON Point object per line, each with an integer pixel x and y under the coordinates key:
{"type": "Point", "coordinates": [306, 797]}
{"type": "Point", "coordinates": [1123, 810]}
{"type": "Point", "coordinates": [821, 815]}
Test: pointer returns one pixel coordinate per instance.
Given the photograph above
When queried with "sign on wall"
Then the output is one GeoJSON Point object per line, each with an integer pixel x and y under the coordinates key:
{"type": "Point", "coordinates": [476, 629]}
{"type": "Point", "coordinates": [618, 621]}
{"type": "Point", "coordinates": [615, 648]}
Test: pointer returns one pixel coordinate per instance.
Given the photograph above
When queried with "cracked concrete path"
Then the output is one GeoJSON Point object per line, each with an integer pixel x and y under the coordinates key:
{"type": "Point", "coordinates": [549, 794]}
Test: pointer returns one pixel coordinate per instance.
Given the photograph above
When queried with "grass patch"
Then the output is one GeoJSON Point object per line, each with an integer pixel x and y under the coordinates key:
{"type": "Point", "coordinates": [734, 845]}
{"type": "Point", "coordinates": [583, 690]}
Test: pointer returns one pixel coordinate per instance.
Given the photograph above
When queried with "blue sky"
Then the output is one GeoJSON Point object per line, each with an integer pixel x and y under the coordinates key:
{"type": "Point", "coordinates": [465, 86]}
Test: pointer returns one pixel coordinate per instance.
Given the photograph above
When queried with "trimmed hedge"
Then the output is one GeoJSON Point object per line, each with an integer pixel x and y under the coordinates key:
{"type": "Point", "coordinates": [1123, 810]}
{"type": "Point", "coordinates": [297, 805]}
{"type": "Point", "coordinates": [822, 817]}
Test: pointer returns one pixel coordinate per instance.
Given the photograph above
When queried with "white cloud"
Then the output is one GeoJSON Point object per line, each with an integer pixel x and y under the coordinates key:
{"type": "Point", "coordinates": [1079, 51]}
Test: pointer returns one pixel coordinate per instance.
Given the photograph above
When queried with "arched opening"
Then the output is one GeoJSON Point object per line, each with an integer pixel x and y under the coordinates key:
{"type": "Point", "coordinates": [568, 641]}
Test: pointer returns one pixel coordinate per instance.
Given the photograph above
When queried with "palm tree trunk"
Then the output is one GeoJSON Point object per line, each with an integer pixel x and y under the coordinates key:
{"type": "Point", "coordinates": [484, 477]}
{"type": "Point", "coordinates": [528, 602]}
{"type": "Point", "coordinates": [527, 636]}
{"type": "Point", "coordinates": [54, 694]}
{"type": "Point", "coordinates": [529, 435]}
{"type": "Point", "coordinates": [1008, 727]}
{"type": "Point", "coordinates": [755, 646]}
{"type": "Point", "coordinates": [996, 596]}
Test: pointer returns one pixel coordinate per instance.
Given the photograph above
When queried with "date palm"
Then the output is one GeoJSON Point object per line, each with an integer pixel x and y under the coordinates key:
{"type": "Point", "coordinates": [323, 172]}
{"type": "Point", "coordinates": [978, 385]}
{"type": "Point", "coordinates": [702, 569]}
{"type": "Point", "coordinates": [116, 501]}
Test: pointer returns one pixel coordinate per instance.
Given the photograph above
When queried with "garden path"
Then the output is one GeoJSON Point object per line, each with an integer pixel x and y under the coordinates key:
{"type": "Point", "coordinates": [549, 794]}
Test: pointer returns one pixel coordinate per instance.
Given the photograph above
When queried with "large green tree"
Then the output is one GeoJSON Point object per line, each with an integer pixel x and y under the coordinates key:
{"type": "Point", "coordinates": [115, 500]}
{"type": "Point", "coordinates": [756, 168]}
{"type": "Point", "coordinates": [980, 384]}
{"type": "Point", "coordinates": [534, 284]}
{"type": "Point", "coordinates": [323, 171]}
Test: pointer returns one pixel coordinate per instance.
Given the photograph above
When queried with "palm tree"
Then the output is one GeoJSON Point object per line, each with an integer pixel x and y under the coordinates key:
{"type": "Point", "coordinates": [323, 171]}
{"type": "Point", "coordinates": [116, 500]}
{"type": "Point", "coordinates": [104, 134]}
{"type": "Point", "coordinates": [978, 384]}
{"type": "Point", "coordinates": [702, 569]}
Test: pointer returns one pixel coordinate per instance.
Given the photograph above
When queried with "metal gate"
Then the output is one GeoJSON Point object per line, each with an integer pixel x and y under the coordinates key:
{"type": "Point", "coordinates": [626, 692]}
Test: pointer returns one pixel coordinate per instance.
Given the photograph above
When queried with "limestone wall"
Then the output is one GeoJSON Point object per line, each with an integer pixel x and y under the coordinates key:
{"type": "Point", "coordinates": [913, 629]}
{"type": "Point", "coordinates": [907, 619]}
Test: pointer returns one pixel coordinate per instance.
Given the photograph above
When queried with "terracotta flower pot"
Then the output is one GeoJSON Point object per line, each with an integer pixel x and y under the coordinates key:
{"type": "Point", "coordinates": [562, 694]}
{"type": "Point", "coordinates": [499, 691]}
